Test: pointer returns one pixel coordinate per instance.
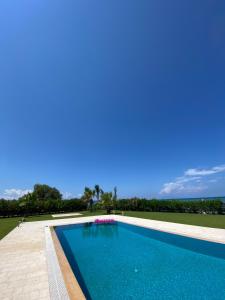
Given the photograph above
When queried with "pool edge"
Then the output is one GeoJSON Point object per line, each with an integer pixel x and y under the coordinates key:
{"type": "Point", "coordinates": [141, 222]}
{"type": "Point", "coordinates": [72, 286]}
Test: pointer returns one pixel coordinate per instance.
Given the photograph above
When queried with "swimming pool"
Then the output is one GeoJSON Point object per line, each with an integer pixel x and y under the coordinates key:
{"type": "Point", "coordinates": [121, 261]}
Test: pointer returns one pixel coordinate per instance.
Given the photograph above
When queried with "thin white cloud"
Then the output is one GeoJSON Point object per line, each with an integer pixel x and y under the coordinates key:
{"type": "Point", "coordinates": [213, 180]}
{"type": "Point", "coordinates": [178, 185]}
{"type": "Point", "coordinates": [170, 187]}
{"type": "Point", "coordinates": [181, 187]}
{"type": "Point", "coordinates": [67, 195]}
{"type": "Point", "coordinates": [191, 181]}
{"type": "Point", "coordinates": [184, 179]}
{"type": "Point", "coordinates": [181, 184]}
{"type": "Point", "coordinates": [10, 194]}
{"type": "Point", "coordinates": [205, 172]}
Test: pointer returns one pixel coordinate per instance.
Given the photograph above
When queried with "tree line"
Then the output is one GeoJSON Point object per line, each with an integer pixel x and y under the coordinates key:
{"type": "Point", "coordinates": [182, 206]}
{"type": "Point", "coordinates": [10, 208]}
{"type": "Point", "coordinates": [45, 199]}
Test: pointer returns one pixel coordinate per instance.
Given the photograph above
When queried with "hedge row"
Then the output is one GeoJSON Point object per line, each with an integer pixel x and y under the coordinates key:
{"type": "Point", "coordinates": [16, 208]}
{"type": "Point", "coordinates": [207, 206]}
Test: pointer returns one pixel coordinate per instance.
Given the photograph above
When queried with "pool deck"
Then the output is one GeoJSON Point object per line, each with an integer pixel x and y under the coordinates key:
{"type": "Point", "coordinates": [24, 272]}
{"type": "Point", "coordinates": [66, 215]}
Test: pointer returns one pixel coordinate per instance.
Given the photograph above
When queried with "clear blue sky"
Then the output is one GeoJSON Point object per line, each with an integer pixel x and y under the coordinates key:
{"type": "Point", "coordinates": [127, 93]}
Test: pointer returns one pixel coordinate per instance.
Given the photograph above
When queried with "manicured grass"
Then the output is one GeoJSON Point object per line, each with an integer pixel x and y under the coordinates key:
{"type": "Point", "coordinates": [215, 221]}
{"type": "Point", "coordinates": [7, 224]}
{"type": "Point", "coordinates": [49, 217]}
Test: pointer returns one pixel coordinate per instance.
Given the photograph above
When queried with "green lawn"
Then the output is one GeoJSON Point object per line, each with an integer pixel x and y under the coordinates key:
{"type": "Point", "coordinates": [216, 221]}
{"type": "Point", "coordinates": [7, 224]}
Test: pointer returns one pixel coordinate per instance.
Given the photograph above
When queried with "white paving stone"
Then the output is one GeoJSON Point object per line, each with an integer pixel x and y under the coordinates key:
{"type": "Point", "coordinates": [23, 267]}
{"type": "Point", "coordinates": [66, 215]}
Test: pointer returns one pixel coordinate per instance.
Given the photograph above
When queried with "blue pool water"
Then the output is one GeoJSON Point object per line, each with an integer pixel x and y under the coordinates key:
{"type": "Point", "coordinates": [121, 261]}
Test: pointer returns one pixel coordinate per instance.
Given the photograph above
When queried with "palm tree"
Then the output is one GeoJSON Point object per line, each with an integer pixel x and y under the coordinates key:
{"type": "Point", "coordinates": [87, 197]}
{"type": "Point", "coordinates": [115, 193]}
{"type": "Point", "coordinates": [114, 197]}
{"type": "Point", "coordinates": [98, 191]}
{"type": "Point", "coordinates": [107, 201]}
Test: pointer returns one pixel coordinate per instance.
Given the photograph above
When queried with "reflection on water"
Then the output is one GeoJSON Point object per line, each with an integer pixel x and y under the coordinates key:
{"type": "Point", "coordinates": [100, 230]}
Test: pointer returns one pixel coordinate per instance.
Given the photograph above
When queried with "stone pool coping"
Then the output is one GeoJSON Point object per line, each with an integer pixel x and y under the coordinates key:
{"type": "Point", "coordinates": [74, 291]}
{"type": "Point", "coordinates": [24, 272]}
